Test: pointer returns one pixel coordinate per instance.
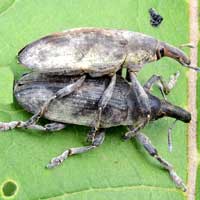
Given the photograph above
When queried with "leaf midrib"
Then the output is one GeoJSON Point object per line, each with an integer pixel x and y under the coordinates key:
{"type": "Point", "coordinates": [117, 188]}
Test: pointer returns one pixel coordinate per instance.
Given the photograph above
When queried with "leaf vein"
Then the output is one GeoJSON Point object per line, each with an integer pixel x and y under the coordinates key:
{"type": "Point", "coordinates": [6, 9]}
{"type": "Point", "coordinates": [114, 189]}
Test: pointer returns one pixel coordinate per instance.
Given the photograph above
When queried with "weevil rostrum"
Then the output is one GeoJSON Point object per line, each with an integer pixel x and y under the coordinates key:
{"type": "Point", "coordinates": [98, 52]}
{"type": "Point", "coordinates": [33, 90]}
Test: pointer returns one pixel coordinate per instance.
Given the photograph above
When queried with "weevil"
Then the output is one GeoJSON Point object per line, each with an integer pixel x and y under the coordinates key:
{"type": "Point", "coordinates": [97, 52]}
{"type": "Point", "coordinates": [33, 90]}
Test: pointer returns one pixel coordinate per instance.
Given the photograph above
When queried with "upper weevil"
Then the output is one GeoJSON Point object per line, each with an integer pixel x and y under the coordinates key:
{"type": "Point", "coordinates": [155, 18]}
{"type": "Point", "coordinates": [97, 52]}
{"type": "Point", "coordinates": [124, 108]}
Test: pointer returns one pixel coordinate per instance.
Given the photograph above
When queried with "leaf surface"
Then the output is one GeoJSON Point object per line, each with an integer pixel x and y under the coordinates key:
{"type": "Point", "coordinates": [117, 169]}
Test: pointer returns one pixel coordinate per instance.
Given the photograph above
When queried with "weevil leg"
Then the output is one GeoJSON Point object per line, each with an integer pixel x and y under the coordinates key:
{"type": "Point", "coordinates": [59, 94]}
{"type": "Point", "coordinates": [48, 127]}
{"type": "Point", "coordinates": [70, 88]}
{"type": "Point", "coordinates": [134, 130]}
{"type": "Point", "coordinates": [119, 72]}
{"type": "Point", "coordinates": [145, 141]}
{"type": "Point", "coordinates": [128, 76]}
{"type": "Point", "coordinates": [64, 92]}
{"type": "Point", "coordinates": [165, 87]}
{"type": "Point", "coordinates": [104, 100]}
{"type": "Point", "coordinates": [141, 99]}
{"type": "Point", "coordinates": [98, 140]}
{"type": "Point", "coordinates": [21, 124]}
{"type": "Point", "coordinates": [5, 126]}
{"type": "Point", "coordinates": [140, 96]}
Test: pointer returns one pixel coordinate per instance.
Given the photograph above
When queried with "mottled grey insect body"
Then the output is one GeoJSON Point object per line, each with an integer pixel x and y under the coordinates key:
{"type": "Point", "coordinates": [95, 51]}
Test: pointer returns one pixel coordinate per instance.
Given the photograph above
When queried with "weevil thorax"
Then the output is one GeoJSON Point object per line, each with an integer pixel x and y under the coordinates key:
{"type": "Point", "coordinates": [141, 49]}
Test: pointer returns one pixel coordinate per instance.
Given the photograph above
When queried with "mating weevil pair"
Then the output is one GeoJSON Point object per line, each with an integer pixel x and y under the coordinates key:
{"type": "Point", "coordinates": [97, 52]}
{"type": "Point", "coordinates": [33, 90]}
{"type": "Point", "coordinates": [79, 100]}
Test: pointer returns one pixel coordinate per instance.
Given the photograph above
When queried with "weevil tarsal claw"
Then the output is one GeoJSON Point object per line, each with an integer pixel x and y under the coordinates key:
{"type": "Point", "coordinates": [170, 136]}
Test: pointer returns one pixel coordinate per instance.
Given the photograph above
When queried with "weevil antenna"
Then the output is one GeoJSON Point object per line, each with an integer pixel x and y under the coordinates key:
{"type": "Point", "coordinates": [192, 67]}
{"type": "Point", "coordinates": [170, 135]}
{"type": "Point", "coordinates": [188, 45]}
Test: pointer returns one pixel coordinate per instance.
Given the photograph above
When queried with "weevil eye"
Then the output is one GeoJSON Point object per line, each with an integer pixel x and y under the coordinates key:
{"type": "Point", "coordinates": [162, 52]}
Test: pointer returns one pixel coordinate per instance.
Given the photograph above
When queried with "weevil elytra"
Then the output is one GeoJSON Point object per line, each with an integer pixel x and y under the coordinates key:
{"type": "Point", "coordinates": [97, 52]}
{"type": "Point", "coordinates": [33, 90]}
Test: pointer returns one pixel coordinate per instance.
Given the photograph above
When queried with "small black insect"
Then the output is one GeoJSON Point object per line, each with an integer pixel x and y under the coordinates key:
{"type": "Point", "coordinates": [155, 18]}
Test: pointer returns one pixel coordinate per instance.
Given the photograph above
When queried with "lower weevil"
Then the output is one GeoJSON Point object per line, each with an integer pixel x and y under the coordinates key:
{"type": "Point", "coordinates": [33, 90]}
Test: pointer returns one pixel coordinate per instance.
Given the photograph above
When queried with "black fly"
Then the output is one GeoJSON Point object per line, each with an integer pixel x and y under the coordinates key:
{"type": "Point", "coordinates": [155, 18]}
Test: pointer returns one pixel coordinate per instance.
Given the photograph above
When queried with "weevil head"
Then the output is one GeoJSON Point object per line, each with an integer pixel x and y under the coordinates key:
{"type": "Point", "coordinates": [162, 108]}
{"type": "Point", "coordinates": [141, 49]}
{"type": "Point", "coordinates": [165, 49]}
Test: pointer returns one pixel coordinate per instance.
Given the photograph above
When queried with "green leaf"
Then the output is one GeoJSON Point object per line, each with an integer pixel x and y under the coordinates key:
{"type": "Point", "coordinates": [6, 80]}
{"type": "Point", "coordinates": [117, 169]}
{"type": "Point", "coordinates": [5, 4]}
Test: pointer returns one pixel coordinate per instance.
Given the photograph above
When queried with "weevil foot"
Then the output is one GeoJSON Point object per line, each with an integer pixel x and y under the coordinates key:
{"type": "Point", "coordinates": [177, 180]}
{"type": "Point", "coordinates": [164, 87]}
{"type": "Point", "coordinates": [98, 140]}
{"type": "Point", "coordinates": [58, 160]}
{"type": "Point", "coordinates": [145, 141]}
{"type": "Point", "coordinates": [28, 125]}
{"type": "Point", "coordinates": [172, 81]}
{"type": "Point", "coordinates": [9, 125]}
